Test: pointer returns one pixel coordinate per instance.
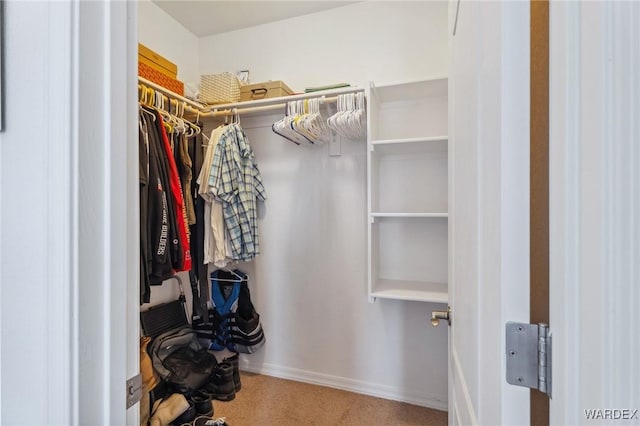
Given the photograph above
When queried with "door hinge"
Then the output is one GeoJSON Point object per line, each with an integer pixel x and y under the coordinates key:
{"type": "Point", "coordinates": [528, 349]}
{"type": "Point", "coordinates": [134, 390]}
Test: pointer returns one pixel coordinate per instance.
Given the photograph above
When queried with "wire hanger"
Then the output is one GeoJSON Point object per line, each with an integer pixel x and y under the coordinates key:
{"type": "Point", "coordinates": [234, 273]}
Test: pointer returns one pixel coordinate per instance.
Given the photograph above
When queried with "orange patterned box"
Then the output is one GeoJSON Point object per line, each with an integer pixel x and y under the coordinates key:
{"type": "Point", "coordinates": [161, 79]}
{"type": "Point", "coordinates": [157, 61]}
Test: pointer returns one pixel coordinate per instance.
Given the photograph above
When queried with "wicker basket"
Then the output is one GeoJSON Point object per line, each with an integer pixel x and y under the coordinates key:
{"type": "Point", "coordinates": [219, 88]}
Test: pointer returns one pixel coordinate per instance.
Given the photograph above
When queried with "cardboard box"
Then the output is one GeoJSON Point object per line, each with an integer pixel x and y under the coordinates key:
{"type": "Point", "coordinates": [268, 89]}
{"type": "Point", "coordinates": [152, 74]}
{"type": "Point", "coordinates": [156, 61]}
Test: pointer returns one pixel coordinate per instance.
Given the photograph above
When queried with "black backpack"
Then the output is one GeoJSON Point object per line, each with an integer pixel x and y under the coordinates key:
{"type": "Point", "coordinates": [175, 351]}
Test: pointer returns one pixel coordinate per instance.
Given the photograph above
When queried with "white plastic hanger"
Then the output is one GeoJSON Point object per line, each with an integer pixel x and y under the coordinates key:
{"type": "Point", "coordinates": [282, 127]}
{"type": "Point", "coordinates": [348, 121]}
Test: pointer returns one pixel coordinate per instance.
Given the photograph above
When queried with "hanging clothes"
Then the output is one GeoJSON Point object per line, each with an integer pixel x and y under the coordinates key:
{"type": "Point", "coordinates": [185, 171]}
{"type": "Point", "coordinates": [143, 172]}
{"type": "Point", "coordinates": [198, 274]}
{"type": "Point", "coordinates": [215, 241]}
{"type": "Point", "coordinates": [164, 236]}
{"type": "Point", "coordinates": [184, 251]}
{"type": "Point", "coordinates": [235, 181]}
{"type": "Point", "coordinates": [157, 222]}
{"type": "Point", "coordinates": [197, 207]}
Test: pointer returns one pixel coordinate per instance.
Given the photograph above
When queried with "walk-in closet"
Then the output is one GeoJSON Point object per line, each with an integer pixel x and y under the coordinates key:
{"type": "Point", "coordinates": [419, 223]}
{"type": "Point", "coordinates": [352, 222]}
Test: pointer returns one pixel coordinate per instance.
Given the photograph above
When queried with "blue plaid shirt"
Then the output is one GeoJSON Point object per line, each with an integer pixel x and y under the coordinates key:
{"type": "Point", "coordinates": [236, 182]}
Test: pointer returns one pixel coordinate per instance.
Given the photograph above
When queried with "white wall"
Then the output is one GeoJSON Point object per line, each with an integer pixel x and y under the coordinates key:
{"type": "Point", "coordinates": [163, 34]}
{"type": "Point", "coordinates": [309, 285]}
{"type": "Point", "coordinates": [381, 41]}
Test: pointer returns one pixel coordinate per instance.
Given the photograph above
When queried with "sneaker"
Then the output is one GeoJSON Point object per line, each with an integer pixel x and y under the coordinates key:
{"type": "Point", "coordinates": [210, 421]}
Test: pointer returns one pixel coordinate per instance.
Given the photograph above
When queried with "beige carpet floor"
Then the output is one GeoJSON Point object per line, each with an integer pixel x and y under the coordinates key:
{"type": "Point", "coordinates": [266, 401]}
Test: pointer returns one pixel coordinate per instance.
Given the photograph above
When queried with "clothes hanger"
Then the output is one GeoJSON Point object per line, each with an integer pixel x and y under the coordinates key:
{"type": "Point", "coordinates": [332, 121]}
{"type": "Point", "coordinates": [142, 124]}
{"type": "Point", "coordinates": [149, 113]}
{"type": "Point", "coordinates": [282, 127]}
{"type": "Point", "coordinates": [190, 128]}
{"type": "Point", "coordinates": [313, 123]}
{"type": "Point", "coordinates": [348, 121]}
{"type": "Point", "coordinates": [354, 119]}
{"type": "Point", "coordinates": [297, 123]}
{"type": "Point", "coordinates": [299, 108]}
{"type": "Point", "coordinates": [232, 272]}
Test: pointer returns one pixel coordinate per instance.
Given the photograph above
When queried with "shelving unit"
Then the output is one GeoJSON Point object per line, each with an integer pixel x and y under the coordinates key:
{"type": "Point", "coordinates": [407, 183]}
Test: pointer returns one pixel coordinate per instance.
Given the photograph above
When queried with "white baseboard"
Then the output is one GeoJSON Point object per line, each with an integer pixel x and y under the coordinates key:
{"type": "Point", "coordinates": [357, 386]}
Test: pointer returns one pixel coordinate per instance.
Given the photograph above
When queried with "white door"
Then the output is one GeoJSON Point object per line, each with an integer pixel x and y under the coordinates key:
{"type": "Point", "coordinates": [489, 206]}
{"type": "Point", "coordinates": [595, 212]}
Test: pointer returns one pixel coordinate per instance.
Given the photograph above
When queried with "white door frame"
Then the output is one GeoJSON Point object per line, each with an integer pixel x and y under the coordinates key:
{"type": "Point", "coordinates": [594, 209]}
{"type": "Point", "coordinates": [105, 118]}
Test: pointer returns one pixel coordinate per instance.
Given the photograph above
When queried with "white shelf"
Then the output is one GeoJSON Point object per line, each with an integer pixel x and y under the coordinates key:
{"type": "Point", "coordinates": [420, 145]}
{"type": "Point", "coordinates": [410, 290]}
{"type": "Point", "coordinates": [409, 215]}
{"type": "Point", "coordinates": [424, 139]}
{"type": "Point", "coordinates": [410, 90]}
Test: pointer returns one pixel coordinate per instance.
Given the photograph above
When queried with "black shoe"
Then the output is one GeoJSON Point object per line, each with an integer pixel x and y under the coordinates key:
{"type": "Point", "coordinates": [234, 361]}
{"type": "Point", "coordinates": [220, 385]}
{"type": "Point", "coordinates": [203, 404]}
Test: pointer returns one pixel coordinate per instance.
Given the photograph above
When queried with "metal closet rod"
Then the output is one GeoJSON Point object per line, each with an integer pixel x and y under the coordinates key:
{"type": "Point", "coordinates": [194, 105]}
{"type": "Point", "coordinates": [248, 110]}
{"type": "Point", "coordinates": [212, 111]}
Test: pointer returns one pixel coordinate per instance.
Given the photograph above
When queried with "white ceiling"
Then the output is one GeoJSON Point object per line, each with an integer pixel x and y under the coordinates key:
{"type": "Point", "coordinates": [205, 18]}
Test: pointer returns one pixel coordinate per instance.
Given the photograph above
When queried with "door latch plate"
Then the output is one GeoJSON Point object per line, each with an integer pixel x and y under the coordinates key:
{"type": "Point", "coordinates": [134, 390]}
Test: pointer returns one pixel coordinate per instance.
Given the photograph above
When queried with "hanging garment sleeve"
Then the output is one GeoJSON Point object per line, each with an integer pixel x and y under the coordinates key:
{"type": "Point", "coordinates": [170, 232]}
{"type": "Point", "coordinates": [196, 311]}
{"type": "Point", "coordinates": [143, 171]}
{"type": "Point", "coordinates": [176, 190]}
{"type": "Point", "coordinates": [199, 269]}
{"type": "Point", "coordinates": [159, 266]}
{"type": "Point", "coordinates": [186, 176]}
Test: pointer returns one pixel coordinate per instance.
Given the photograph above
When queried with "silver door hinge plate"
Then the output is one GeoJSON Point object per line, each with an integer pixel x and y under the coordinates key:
{"type": "Point", "coordinates": [134, 390]}
{"type": "Point", "coordinates": [528, 348]}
